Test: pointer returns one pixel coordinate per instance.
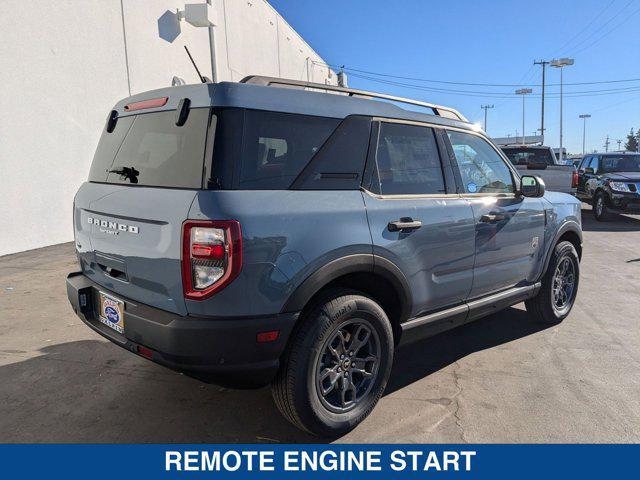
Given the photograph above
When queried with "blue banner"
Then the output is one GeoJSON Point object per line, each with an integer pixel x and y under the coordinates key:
{"type": "Point", "coordinates": [319, 461]}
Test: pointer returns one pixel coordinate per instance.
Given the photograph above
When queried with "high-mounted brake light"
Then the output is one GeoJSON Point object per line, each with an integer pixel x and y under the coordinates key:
{"type": "Point", "coordinates": [151, 103]}
{"type": "Point", "coordinates": [574, 179]}
{"type": "Point", "coordinates": [211, 256]}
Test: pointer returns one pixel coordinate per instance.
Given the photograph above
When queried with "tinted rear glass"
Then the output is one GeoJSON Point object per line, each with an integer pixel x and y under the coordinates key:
{"type": "Point", "coordinates": [150, 150]}
{"type": "Point", "coordinates": [259, 150]}
{"type": "Point", "coordinates": [525, 156]}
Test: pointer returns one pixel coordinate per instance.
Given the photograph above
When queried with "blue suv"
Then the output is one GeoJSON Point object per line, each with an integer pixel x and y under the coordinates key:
{"type": "Point", "coordinates": [274, 231]}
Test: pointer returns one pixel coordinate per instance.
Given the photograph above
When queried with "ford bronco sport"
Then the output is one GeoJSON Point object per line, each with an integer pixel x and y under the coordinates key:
{"type": "Point", "coordinates": [273, 231]}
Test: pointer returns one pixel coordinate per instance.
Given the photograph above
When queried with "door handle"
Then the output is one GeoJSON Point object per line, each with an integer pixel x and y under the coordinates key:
{"type": "Point", "coordinates": [404, 224]}
{"type": "Point", "coordinates": [492, 218]}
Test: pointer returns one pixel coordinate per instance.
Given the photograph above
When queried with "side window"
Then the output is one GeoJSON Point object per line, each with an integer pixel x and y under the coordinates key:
{"type": "Point", "coordinates": [277, 146]}
{"type": "Point", "coordinates": [584, 164]}
{"type": "Point", "coordinates": [594, 163]}
{"type": "Point", "coordinates": [340, 162]}
{"type": "Point", "coordinates": [482, 169]}
{"type": "Point", "coordinates": [408, 161]}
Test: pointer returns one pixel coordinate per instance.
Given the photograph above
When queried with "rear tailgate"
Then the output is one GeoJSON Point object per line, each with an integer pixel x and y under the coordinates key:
{"type": "Point", "coordinates": [129, 240]}
{"type": "Point", "coordinates": [128, 218]}
{"type": "Point", "coordinates": [557, 178]}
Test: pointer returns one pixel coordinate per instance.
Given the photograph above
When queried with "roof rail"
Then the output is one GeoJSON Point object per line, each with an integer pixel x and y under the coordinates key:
{"type": "Point", "coordinates": [439, 110]}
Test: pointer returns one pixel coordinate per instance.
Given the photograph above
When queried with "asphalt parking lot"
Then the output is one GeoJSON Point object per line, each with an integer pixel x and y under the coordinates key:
{"type": "Point", "coordinates": [500, 379]}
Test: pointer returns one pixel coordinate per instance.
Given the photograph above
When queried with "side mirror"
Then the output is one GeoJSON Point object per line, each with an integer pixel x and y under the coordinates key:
{"type": "Point", "coordinates": [589, 170]}
{"type": "Point", "coordinates": [531, 186]}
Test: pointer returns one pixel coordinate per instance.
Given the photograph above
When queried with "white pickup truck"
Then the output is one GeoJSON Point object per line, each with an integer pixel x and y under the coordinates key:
{"type": "Point", "coordinates": [543, 162]}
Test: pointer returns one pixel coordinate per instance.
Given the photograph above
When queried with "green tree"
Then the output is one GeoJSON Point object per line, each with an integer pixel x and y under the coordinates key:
{"type": "Point", "coordinates": [632, 142]}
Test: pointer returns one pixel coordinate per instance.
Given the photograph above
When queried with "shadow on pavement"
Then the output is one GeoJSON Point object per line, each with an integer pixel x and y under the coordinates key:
{"type": "Point", "coordinates": [92, 391]}
{"type": "Point", "coordinates": [421, 359]}
{"type": "Point", "coordinates": [613, 223]}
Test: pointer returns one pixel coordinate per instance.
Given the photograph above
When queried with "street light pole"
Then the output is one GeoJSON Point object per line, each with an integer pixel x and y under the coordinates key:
{"type": "Point", "coordinates": [561, 63]}
{"type": "Point", "coordinates": [485, 108]}
{"type": "Point", "coordinates": [523, 92]}
{"type": "Point", "coordinates": [584, 117]}
{"type": "Point", "coordinates": [544, 65]}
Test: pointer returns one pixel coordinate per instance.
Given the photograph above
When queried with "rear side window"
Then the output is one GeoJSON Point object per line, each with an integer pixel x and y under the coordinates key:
{"type": "Point", "coordinates": [277, 146]}
{"type": "Point", "coordinates": [150, 150]}
{"type": "Point", "coordinates": [408, 162]}
{"type": "Point", "coordinates": [340, 163]}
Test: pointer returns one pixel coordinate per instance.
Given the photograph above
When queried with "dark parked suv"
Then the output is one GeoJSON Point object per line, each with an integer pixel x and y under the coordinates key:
{"type": "Point", "coordinates": [610, 182]}
{"type": "Point", "coordinates": [247, 233]}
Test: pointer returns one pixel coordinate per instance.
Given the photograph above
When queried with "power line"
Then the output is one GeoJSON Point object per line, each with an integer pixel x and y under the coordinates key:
{"type": "Point", "coordinates": [472, 84]}
{"type": "Point", "coordinates": [600, 28]}
{"type": "Point", "coordinates": [615, 27]}
{"type": "Point", "coordinates": [561, 49]}
{"type": "Point", "coordinates": [475, 93]}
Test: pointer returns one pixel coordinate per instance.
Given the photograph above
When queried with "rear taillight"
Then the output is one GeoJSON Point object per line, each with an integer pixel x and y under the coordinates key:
{"type": "Point", "coordinates": [574, 179]}
{"type": "Point", "coordinates": [211, 256]}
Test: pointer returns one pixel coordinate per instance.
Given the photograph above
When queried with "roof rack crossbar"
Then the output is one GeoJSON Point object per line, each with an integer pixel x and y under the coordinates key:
{"type": "Point", "coordinates": [437, 109]}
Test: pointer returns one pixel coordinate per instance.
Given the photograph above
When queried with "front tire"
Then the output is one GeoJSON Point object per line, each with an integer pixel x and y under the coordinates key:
{"type": "Point", "coordinates": [337, 366]}
{"type": "Point", "coordinates": [600, 208]}
{"type": "Point", "coordinates": [559, 288]}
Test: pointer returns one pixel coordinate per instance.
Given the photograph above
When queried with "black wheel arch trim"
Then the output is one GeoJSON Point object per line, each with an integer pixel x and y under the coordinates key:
{"type": "Point", "coordinates": [356, 263]}
{"type": "Point", "coordinates": [570, 226]}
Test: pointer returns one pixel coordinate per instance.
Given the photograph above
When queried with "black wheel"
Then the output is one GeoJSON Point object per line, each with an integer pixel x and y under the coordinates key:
{"type": "Point", "coordinates": [337, 366]}
{"type": "Point", "coordinates": [559, 286]}
{"type": "Point", "coordinates": [600, 207]}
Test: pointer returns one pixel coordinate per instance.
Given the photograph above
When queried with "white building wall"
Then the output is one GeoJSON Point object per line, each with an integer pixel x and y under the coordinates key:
{"type": "Point", "coordinates": [66, 62]}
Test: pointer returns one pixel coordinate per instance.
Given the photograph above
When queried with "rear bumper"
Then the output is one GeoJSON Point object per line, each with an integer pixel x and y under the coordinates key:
{"type": "Point", "coordinates": [223, 351]}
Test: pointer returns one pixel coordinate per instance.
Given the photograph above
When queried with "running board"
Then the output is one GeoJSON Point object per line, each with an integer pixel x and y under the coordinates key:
{"type": "Point", "coordinates": [434, 323]}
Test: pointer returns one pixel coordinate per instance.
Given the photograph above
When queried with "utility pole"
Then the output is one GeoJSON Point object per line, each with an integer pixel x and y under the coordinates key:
{"type": "Point", "coordinates": [584, 117]}
{"type": "Point", "coordinates": [619, 143]}
{"type": "Point", "coordinates": [606, 144]}
{"type": "Point", "coordinates": [485, 108]}
{"type": "Point", "coordinates": [523, 92]}
{"type": "Point", "coordinates": [544, 64]}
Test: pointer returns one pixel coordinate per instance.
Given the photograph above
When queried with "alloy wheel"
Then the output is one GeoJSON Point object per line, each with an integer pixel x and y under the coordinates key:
{"type": "Point", "coordinates": [347, 366]}
{"type": "Point", "coordinates": [563, 284]}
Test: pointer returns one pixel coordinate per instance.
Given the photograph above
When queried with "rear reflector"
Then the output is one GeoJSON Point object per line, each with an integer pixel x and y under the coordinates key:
{"type": "Point", "coordinates": [145, 352]}
{"type": "Point", "coordinates": [151, 103]}
{"type": "Point", "coordinates": [266, 337]}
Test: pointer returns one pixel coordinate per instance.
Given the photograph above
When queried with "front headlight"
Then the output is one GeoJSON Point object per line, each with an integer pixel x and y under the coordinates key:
{"type": "Point", "coordinates": [619, 186]}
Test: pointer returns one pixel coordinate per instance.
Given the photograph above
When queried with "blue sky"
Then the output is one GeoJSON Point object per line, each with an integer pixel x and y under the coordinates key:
{"type": "Point", "coordinates": [492, 42]}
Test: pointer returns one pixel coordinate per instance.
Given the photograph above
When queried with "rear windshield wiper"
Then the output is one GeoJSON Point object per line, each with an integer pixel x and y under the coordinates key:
{"type": "Point", "coordinates": [129, 173]}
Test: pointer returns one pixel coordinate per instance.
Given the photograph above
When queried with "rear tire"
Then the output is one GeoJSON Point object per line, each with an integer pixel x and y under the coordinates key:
{"type": "Point", "coordinates": [559, 288]}
{"type": "Point", "coordinates": [600, 208]}
{"type": "Point", "coordinates": [337, 365]}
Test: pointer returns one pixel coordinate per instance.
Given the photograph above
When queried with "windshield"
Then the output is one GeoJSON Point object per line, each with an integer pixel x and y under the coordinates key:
{"type": "Point", "coordinates": [621, 163]}
{"type": "Point", "coordinates": [525, 156]}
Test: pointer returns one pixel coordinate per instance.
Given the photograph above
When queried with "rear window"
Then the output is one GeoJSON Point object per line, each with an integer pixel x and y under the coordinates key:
{"type": "Point", "coordinates": [150, 150]}
{"type": "Point", "coordinates": [525, 156]}
{"type": "Point", "coordinates": [259, 150]}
